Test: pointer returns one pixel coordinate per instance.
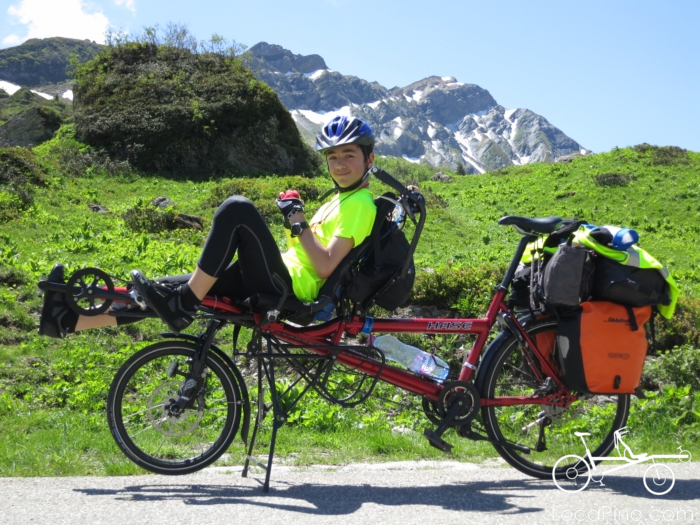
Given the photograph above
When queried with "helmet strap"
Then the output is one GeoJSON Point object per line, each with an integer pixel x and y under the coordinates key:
{"type": "Point", "coordinates": [338, 189]}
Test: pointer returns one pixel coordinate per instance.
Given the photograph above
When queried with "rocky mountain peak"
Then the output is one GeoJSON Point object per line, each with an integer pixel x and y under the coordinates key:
{"type": "Point", "coordinates": [276, 58]}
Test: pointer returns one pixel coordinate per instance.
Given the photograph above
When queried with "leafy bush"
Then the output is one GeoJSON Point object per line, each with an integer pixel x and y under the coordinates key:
{"type": "Point", "coordinates": [662, 155]}
{"type": "Point", "coordinates": [13, 276]}
{"type": "Point", "coordinates": [677, 367]}
{"type": "Point", "coordinates": [613, 179]}
{"type": "Point", "coordinates": [171, 105]}
{"type": "Point", "coordinates": [683, 328]}
{"type": "Point", "coordinates": [75, 159]}
{"type": "Point", "coordinates": [19, 171]}
{"type": "Point", "coordinates": [466, 289]}
{"type": "Point", "coordinates": [147, 218]}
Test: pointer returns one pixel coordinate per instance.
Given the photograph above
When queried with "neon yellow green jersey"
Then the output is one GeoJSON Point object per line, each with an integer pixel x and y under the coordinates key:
{"type": "Point", "coordinates": [348, 215]}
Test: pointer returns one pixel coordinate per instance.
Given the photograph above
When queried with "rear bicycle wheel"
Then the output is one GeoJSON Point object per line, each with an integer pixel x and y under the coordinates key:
{"type": "Point", "coordinates": [162, 440]}
{"type": "Point", "coordinates": [548, 430]}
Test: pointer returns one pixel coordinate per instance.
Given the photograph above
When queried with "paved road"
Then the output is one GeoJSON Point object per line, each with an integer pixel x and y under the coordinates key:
{"type": "Point", "coordinates": [388, 493]}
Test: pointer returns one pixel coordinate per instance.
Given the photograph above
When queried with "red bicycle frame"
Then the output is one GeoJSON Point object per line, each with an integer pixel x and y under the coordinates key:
{"type": "Point", "coordinates": [330, 333]}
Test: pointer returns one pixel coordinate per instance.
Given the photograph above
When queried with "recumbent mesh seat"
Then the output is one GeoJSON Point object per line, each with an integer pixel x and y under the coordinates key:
{"type": "Point", "coordinates": [334, 292]}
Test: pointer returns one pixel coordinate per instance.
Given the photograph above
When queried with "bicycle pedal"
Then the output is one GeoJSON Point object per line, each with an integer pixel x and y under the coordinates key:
{"type": "Point", "coordinates": [436, 441]}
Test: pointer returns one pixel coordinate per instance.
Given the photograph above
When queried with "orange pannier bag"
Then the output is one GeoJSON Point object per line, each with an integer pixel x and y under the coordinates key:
{"type": "Point", "coordinates": [602, 346]}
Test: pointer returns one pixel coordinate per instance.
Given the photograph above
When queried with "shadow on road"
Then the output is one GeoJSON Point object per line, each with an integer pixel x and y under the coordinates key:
{"type": "Point", "coordinates": [482, 496]}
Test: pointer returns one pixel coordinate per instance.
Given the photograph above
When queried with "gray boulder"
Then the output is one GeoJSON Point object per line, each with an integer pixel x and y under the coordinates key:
{"type": "Point", "coordinates": [162, 202]}
{"type": "Point", "coordinates": [30, 127]}
{"type": "Point", "coordinates": [441, 177]}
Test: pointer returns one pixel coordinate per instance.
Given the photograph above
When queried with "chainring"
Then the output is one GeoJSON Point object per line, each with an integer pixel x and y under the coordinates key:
{"type": "Point", "coordinates": [461, 392]}
{"type": "Point", "coordinates": [83, 298]}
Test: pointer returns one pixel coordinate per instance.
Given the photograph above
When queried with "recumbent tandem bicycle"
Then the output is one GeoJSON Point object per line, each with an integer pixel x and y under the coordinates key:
{"type": "Point", "coordinates": [175, 406]}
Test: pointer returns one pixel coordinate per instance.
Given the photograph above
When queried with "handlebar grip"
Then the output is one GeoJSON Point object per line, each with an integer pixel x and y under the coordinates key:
{"type": "Point", "coordinates": [389, 180]}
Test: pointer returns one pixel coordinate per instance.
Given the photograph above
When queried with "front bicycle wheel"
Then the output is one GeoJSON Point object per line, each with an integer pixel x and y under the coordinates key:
{"type": "Point", "coordinates": [547, 430]}
{"type": "Point", "coordinates": [148, 430]}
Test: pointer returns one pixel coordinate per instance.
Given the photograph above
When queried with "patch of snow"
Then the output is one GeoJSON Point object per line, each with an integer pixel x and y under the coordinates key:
{"type": "Point", "coordinates": [447, 79]}
{"type": "Point", "coordinates": [456, 84]}
{"type": "Point", "coordinates": [43, 95]}
{"type": "Point", "coordinates": [481, 113]}
{"type": "Point", "coordinates": [415, 160]}
{"type": "Point", "coordinates": [508, 113]}
{"type": "Point", "coordinates": [398, 120]}
{"type": "Point", "coordinates": [9, 87]}
{"type": "Point", "coordinates": [585, 151]}
{"type": "Point", "coordinates": [317, 74]}
{"type": "Point", "coordinates": [374, 105]}
{"type": "Point", "coordinates": [288, 73]}
{"type": "Point", "coordinates": [68, 94]}
{"type": "Point", "coordinates": [417, 95]}
{"type": "Point", "coordinates": [437, 145]}
{"type": "Point", "coordinates": [322, 117]}
{"type": "Point", "coordinates": [397, 132]}
{"type": "Point", "coordinates": [431, 131]}
{"type": "Point", "coordinates": [408, 99]}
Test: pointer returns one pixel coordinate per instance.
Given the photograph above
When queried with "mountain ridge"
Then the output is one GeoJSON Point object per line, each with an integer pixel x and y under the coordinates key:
{"type": "Point", "coordinates": [436, 120]}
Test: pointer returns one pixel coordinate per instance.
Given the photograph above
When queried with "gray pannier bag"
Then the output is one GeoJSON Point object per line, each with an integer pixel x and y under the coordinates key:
{"type": "Point", "coordinates": [567, 279]}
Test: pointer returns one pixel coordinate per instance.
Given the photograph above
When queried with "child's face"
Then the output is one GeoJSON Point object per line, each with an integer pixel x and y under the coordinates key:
{"type": "Point", "coordinates": [347, 164]}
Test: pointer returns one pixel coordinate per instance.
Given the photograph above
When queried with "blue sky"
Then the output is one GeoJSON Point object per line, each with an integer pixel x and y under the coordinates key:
{"type": "Point", "coordinates": [607, 73]}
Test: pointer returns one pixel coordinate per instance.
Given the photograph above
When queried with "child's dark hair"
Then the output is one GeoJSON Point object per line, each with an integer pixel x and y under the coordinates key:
{"type": "Point", "coordinates": [366, 150]}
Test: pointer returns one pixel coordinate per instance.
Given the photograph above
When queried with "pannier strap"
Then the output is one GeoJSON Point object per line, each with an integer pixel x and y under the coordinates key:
{"type": "Point", "coordinates": [654, 296]}
{"type": "Point", "coordinates": [633, 319]}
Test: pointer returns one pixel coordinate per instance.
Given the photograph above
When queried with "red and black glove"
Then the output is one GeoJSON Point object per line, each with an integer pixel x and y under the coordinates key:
{"type": "Point", "coordinates": [289, 203]}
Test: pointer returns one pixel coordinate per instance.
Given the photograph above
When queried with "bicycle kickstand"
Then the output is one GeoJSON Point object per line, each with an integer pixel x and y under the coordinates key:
{"type": "Point", "coordinates": [277, 413]}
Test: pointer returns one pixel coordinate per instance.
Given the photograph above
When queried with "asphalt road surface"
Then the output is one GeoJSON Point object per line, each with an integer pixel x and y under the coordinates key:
{"type": "Point", "coordinates": [386, 493]}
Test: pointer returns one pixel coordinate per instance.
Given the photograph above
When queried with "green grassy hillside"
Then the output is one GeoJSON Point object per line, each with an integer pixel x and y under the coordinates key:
{"type": "Point", "coordinates": [52, 393]}
{"type": "Point", "coordinates": [43, 61]}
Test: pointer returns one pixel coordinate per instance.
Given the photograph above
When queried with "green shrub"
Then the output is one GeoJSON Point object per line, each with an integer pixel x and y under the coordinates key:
{"type": "Point", "coordinates": [662, 155]}
{"type": "Point", "coordinates": [176, 107]}
{"type": "Point", "coordinates": [19, 172]}
{"type": "Point", "coordinates": [13, 276]}
{"type": "Point", "coordinates": [683, 328]}
{"type": "Point", "coordinates": [144, 218]}
{"type": "Point", "coordinates": [467, 289]}
{"type": "Point", "coordinates": [613, 179]}
{"type": "Point", "coordinates": [677, 367]}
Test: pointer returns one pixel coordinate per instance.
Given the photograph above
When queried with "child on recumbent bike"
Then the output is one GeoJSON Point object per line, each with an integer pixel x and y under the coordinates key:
{"type": "Point", "coordinates": [315, 249]}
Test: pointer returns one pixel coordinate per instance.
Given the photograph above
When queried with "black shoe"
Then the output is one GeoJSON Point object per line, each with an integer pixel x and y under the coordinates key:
{"type": "Point", "coordinates": [165, 301]}
{"type": "Point", "coordinates": [57, 319]}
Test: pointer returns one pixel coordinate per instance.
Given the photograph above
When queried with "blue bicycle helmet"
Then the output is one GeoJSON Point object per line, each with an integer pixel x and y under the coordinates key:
{"type": "Point", "coordinates": [344, 130]}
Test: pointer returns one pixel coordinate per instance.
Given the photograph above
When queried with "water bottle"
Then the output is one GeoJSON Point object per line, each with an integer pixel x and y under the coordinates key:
{"type": "Point", "coordinates": [623, 238]}
{"type": "Point", "coordinates": [415, 359]}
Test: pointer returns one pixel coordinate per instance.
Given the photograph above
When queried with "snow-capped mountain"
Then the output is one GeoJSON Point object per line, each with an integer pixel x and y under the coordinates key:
{"type": "Point", "coordinates": [437, 120]}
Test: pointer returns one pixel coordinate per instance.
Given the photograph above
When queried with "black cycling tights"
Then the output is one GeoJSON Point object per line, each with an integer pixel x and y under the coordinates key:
{"type": "Point", "coordinates": [238, 226]}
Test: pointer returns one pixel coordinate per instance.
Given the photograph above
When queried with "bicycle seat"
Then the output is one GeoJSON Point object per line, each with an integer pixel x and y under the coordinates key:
{"type": "Point", "coordinates": [543, 225]}
{"type": "Point", "coordinates": [579, 434]}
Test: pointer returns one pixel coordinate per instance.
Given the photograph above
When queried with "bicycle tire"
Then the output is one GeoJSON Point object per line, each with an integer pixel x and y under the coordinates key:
{"type": "Point", "coordinates": [507, 375]}
{"type": "Point", "coordinates": [153, 438]}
